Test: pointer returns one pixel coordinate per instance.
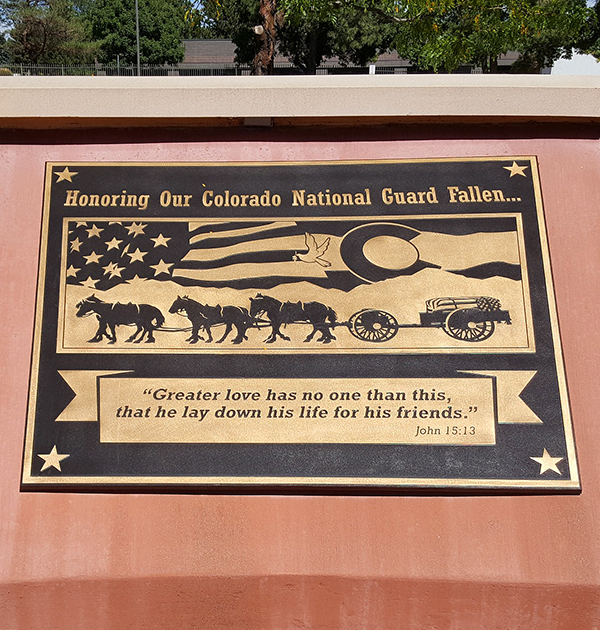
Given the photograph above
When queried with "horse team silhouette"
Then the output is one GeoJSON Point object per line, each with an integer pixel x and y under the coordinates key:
{"type": "Point", "coordinates": [145, 317]}
{"type": "Point", "coordinates": [148, 319]}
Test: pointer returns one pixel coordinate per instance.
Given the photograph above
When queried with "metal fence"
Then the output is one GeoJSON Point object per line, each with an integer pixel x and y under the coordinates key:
{"type": "Point", "coordinates": [199, 70]}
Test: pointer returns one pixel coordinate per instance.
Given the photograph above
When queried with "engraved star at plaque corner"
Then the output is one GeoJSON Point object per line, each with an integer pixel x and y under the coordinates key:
{"type": "Point", "coordinates": [162, 267]}
{"type": "Point", "coordinates": [93, 258]}
{"type": "Point", "coordinates": [161, 240]}
{"type": "Point", "coordinates": [113, 244]}
{"type": "Point", "coordinates": [547, 462]}
{"type": "Point", "coordinates": [137, 255]}
{"type": "Point", "coordinates": [90, 283]}
{"type": "Point", "coordinates": [72, 271]}
{"type": "Point", "coordinates": [52, 459]}
{"type": "Point", "coordinates": [94, 231]}
{"type": "Point", "coordinates": [136, 229]}
{"type": "Point", "coordinates": [65, 175]}
{"type": "Point", "coordinates": [515, 169]}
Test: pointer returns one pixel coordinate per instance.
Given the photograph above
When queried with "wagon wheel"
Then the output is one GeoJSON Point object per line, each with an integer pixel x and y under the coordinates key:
{"type": "Point", "coordinates": [373, 325]}
{"type": "Point", "coordinates": [468, 324]}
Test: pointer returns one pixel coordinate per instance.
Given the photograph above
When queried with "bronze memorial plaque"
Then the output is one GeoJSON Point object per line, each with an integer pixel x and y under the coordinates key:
{"type": "Point", "coordinates": [384, 323]}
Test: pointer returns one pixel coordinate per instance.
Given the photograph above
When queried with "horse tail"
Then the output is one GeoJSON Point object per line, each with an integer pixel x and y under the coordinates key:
{"type": "Point", "coordinates": [331, 315]}
{"type": "Point", "coordinates": [159, 318]}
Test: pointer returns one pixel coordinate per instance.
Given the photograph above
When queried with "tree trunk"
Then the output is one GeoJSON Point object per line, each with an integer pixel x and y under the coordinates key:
{"type": "Point", "coordinates": [311, 65]}
{"type": "Point", "coordinates": [263, 60]}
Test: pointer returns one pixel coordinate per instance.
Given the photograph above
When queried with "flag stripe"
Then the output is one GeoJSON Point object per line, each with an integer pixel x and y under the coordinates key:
{"type": "Point", "coordinates": [239, 232]}
{"type": "Point", "coordinates": [288, 243]}
{"type": "Point", "coordinates": [275, 256]}
{"type": "Point", "coordinates": [223, 226]}
{"type": "Point", "coordinates": [253, 270]}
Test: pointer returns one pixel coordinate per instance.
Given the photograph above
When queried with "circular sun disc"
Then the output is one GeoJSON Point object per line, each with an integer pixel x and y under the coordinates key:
{"type": "Point", "coordinates": [390, 252]}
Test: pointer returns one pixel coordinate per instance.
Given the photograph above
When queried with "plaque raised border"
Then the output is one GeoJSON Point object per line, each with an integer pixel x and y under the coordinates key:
{"type": "Point", "coordinates": [360, 324]}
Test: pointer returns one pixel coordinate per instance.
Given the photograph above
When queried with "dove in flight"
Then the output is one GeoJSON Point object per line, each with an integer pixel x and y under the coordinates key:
{"type": "Point", "coordinates": [315, 252]}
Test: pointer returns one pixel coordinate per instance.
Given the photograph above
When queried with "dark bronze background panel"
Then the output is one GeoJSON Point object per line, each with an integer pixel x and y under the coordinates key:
{"type": "Point", "coordinates": [322, 324]}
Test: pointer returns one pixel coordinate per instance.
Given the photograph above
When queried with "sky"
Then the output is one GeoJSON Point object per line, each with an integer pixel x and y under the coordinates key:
{"type": "Point", "coordinates": [585, 65]}
{"type": "Point", "coordinates": [578, 65]}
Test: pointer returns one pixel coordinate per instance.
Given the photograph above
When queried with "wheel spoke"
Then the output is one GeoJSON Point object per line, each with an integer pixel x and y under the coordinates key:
{"type": "Point", "coordinates": [374, 326]}
{"type": "Point", "coordinates": [468, 325]}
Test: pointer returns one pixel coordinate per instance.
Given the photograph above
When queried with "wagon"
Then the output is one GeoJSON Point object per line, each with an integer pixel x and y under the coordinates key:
{"type": "Point", "coordinates": [463, 318]}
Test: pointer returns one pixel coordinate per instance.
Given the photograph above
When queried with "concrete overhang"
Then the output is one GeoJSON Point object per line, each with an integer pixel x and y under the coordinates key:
{"type": "Point", "coordinates": [67, 102]}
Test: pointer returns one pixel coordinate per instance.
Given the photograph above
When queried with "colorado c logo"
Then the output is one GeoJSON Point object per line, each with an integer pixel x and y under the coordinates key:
{"type": "Point", "coordinates": [378, 251]}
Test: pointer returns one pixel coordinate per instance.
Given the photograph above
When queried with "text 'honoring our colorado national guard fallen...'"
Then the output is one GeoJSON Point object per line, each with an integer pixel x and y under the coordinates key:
{"type": "Point", "coordinates": [358, 324]}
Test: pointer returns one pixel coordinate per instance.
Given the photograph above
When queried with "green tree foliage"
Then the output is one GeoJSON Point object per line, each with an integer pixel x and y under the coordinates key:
{"type": "Point", "coordinates": [590, 40]}
{"type": "Point", "coordinates": [195, 22]}
{"type": "Point", "coordinates": [355, 37]}
{"type": "Point", "coordinates": [443, 34]}
{"type": "Point", "coordinates": [352, 36]}
{"type": "Point", "coordinates": [4, 54]}
{"type": "Point", "coordinates": [45, 32]}
{"type": "Point", "coordinates": [112, 24]}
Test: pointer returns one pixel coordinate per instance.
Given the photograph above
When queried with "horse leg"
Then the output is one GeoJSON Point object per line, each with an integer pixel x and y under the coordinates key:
{"type": "Point", "coordinates": [284, 337]}
{"type": "Point", "coordinates": [138, 330]}
{"type": "Point", "coordinates": [143, 329]}
{"type": "Point", "coordinates": [150, 329]}
{"type": "Point", "coordinates": [311, 334]}
{"type": "Point", "coordinates": [242, 329]}
{"type": "Point", "coordinates": [99, 333]}
{"type": "Point", "coordinates": [227, 331]}
{"type": "Point", "coordinates": [193, 338]}
{"type": "Point", "coordinates": [326, 335]}
{"type": "Point", "coordinates": [241, 334]}
{"type": "Point", "coordinates": [113, 336]}
{"type": "Point", "coordinates": [208, 332]}
{"type": "Point", "coordinates": [97, 337]}
{"type": "Point", "coordinates": [274, 332]}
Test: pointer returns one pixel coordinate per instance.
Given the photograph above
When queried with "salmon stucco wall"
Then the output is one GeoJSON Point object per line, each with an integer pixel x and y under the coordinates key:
{"type": "Point", "coordinates": [261, 562]}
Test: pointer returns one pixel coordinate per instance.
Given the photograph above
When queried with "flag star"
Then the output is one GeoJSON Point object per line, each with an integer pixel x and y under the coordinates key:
{"type": "Point", "coordinates": [65, 175]}
{"type": "Point", "coordinates": [160, 240]}
{"type": "Point", "coordinates": [52, 459]}
{"type": "Point", "coordinates": [136, 280]}
{"type": "Point", "coordinates": [515, 169]}
{"type": "Point", "coordinates": [94, 231]}
{"type": "Point", "coordinates": [113, 244]}
{"type": "Point", "coordinates": [162, 267]}
{"type": "Point", "coordinates": [114, 223]}
{"type": "Point", "coordinates": [116, 271]}
{"type": "Point", "coordinates": [547, 462]}
{"type": "Point", "coordinates": [137, 255]}
{"type": "Point", "coordinates": [75, 245]}
{"type": "Point", "coordinates": [80, 224]}
{"type": "Point", "coordinates": [93, 258]}
{"type": "Point", "coordinates": [90, 283]}
{"type": "Point", "coordinates": [72, 271]}
{"type": "Point", "coordinates": [136, 229]}
{"type": "Point", "coordinates": [113, 270]}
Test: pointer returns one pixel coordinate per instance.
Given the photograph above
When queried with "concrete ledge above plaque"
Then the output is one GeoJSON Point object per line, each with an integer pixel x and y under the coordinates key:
{"type": "Point", "coordinates": [362, 324]}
